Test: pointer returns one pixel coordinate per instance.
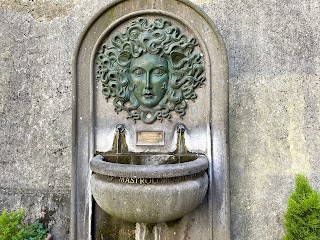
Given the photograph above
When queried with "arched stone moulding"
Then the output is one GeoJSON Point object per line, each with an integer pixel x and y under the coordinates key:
{"type": "Point", "coordinates": [86, 109]}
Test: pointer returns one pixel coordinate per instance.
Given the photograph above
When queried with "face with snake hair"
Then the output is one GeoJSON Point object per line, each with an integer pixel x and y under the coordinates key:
{"type": "Point", "coordinates": [150, 70]}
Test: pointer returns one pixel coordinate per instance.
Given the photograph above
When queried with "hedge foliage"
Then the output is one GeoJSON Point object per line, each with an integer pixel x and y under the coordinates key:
{"type": "Point", "coordinates": [13, 228]}
{"type": "Point", "coordinates": [302, 218]}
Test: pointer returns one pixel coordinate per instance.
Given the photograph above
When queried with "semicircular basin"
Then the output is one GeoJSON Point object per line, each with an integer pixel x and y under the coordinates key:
{"type": "Point", "coordinates": [149, 193]}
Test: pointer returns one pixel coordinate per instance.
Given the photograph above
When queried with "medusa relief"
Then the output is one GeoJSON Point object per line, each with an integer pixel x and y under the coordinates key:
{"type": "Point", "coordinates": [150, 70]}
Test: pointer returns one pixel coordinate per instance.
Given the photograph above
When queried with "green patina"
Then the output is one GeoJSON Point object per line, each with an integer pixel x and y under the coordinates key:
{"type": "Point", "coordinates": [150, 70]}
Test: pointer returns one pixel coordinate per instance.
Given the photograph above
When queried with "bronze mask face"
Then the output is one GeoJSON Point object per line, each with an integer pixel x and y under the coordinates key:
{"type": "Point", "coordinates": [150, 70]}
{"type": "Point", "coordinates": [148, 79]}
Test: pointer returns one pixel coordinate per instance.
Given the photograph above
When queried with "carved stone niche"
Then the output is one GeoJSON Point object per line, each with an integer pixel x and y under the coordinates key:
{"type": "Point", "coordinates": [149, 67]}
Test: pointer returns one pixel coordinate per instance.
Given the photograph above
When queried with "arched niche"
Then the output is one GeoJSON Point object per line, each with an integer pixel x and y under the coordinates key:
{"type": "Point", "coordinates": [92, 126]}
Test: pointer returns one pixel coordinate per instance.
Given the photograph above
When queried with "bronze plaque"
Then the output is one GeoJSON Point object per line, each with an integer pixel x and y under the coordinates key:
{"type": "Point", "coordinates": [150, 138]}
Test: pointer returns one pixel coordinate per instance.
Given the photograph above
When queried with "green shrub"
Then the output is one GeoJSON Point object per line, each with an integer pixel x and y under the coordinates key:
{"type": "Point", "coordinates": [302, 219]}
{"type": "Point", "coordinates": [13, 228]}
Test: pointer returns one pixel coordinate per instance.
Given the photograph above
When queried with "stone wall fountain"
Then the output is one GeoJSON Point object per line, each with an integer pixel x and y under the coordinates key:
{"type": "Point", "coordinates": [150, 125]}
{"type": "Point", "coordinates": [149, 188]}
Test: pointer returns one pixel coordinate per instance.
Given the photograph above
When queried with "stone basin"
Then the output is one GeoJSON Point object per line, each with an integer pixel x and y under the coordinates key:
{"type": "Point", "coordinates": [149, 188]}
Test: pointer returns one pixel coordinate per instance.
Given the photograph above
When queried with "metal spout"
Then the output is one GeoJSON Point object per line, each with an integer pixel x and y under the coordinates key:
{"type": "Point", "coordinates": [119, 143]}
{"type": "Point", "coordinates": [181, 146]}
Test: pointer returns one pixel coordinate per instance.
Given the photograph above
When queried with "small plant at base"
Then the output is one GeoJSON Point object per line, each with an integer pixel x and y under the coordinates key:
{"type": "Point", "coordinates": [12, 227]}
{"type": "Point", "coordinates": [302, 219]}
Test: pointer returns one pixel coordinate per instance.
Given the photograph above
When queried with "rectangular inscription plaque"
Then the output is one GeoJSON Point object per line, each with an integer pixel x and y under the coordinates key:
{"type": "Point", "coordinates": [150, 138]}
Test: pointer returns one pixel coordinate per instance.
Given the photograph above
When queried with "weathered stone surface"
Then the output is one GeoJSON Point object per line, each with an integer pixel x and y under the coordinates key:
{"type": "Point", "coordinates": [276, 121]}
{"type": "Point", "coordinates": [273, 50]}
{"type": "Point", "coordinates": [50, 207]}
{"type": "Point", "coordinates": [40, 10]}
{"type": "Point", "coordinates": [35, 115]}
{"type": "Point", "coordinates": [274, 68]}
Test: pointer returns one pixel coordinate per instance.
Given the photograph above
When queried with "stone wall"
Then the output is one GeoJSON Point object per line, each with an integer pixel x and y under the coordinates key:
{"type": "Point", "coordinates": [274, 71]}
{"type": "Point", "coordinates": [274, 68]}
